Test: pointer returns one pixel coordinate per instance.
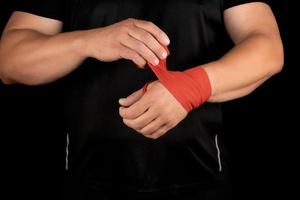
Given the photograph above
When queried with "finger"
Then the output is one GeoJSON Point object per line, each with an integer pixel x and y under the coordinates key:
{"type": "Point", "coordinates": [136, 109]}
{"type": "Point", "coordinates": [152, 127]}
{"type": "Point", "coordinates": [142, 121]}
{"type": "Point", "coordinates": [131, 99]}
{"type": "Point", "coordinates": [141, 49]}
{"type": "Point", "coordinates": [149, 40]}
{"type": "Point", "coordinates": [129, 54]}
{"type": "Point", "coordinates": [160, 132]}
{"type": "Point", "coordinates": [160, 35]}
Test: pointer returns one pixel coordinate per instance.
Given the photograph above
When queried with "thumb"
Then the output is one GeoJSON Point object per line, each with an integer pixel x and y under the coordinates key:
{"type": "Point", "coordinates": [131, 99]}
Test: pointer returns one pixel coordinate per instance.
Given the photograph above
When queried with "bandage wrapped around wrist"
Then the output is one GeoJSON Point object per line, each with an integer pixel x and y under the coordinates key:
{"type": "Point", "coordinates": [191, 87]}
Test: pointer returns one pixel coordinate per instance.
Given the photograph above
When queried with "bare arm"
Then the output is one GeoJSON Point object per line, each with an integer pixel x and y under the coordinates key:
{"type": "Point", "coordinates": [34, 51]}
{"type": "Point", "coordinates": [257, 56]}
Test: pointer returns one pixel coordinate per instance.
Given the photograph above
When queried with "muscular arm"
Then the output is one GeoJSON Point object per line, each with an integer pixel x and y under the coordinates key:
{"type": "Point", "coordinates": [33, 50]}
{"type": "Point", "coordinates": [257, 55]}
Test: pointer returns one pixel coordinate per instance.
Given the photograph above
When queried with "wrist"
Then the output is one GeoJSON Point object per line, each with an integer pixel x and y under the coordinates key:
{"type": "Point", "coordinates": [80, 44]}
{"type": "Point", "coordinates": [191, 88]}
{"type": "Point", "coordinates": [211, 69]}
{"type": "Point", "coordinates": [87, 42]}
{"type": "Point", "coordinates": [199, 86]}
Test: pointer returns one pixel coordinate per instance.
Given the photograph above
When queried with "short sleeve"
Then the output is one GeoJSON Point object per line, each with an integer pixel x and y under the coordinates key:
{"type": "Point", "coordinates": [232, 3]}
{"type": "Point", "coordinates": [54, 9]}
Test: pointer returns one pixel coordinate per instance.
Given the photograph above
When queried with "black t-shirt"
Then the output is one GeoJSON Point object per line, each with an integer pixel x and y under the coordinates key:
{"type": "Point", "coordinates": [103, 152]}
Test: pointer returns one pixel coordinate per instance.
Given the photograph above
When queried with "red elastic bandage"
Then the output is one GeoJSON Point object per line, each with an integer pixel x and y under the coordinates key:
{"type": "Point", "coordinates": [191, 87]}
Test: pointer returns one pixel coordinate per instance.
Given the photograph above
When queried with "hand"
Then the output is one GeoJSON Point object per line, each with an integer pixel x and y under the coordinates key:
{"type": "Point", "coordinates": [132, 39]}
{"type": "Point", "coordinates": [152, 114]}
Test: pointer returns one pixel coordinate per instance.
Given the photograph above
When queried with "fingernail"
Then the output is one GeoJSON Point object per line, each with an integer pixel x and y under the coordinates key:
{"type": "Point", "coordinates": [164, 55]}
{"type": "Point", "coordinates": [121, 100]}
{"type": "Point", "coordinates": [167, 40]}
{"type": "Point", "coordinates": [156, 62]}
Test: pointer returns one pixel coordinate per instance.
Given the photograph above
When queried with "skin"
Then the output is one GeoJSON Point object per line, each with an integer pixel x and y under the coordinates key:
{"type": "Point", "coordinates": [53, 54]}
{"type": "Point", "coordinates": [257, 55]}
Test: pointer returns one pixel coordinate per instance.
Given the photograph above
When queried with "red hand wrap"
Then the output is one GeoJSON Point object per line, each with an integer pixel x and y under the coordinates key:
{"type": "Point", "coordinates": [191, 87]}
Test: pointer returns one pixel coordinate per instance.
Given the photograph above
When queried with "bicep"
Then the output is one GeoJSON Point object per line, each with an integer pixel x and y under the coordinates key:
{"type": "Point", "coordinates": [22, 20]}
{"type": "Point", "coordinates": [248, 19]}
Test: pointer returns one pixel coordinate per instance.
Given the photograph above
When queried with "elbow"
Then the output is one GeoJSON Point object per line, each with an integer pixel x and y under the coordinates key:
{"type": "Point", "coordinates": [10, 75]}
{"type": "Point", "coordinates": [278, 64]}
{"type": "Point", "coordinates": [6, 81]}
{"type": "Point", "coordinates": [16, 73]}
{"type": "Point", "coordinates": [13, 72]}
{"type": "Point", "coordinates": [4, 77]}
{"type": "Point", "coordinates": [277, 60]}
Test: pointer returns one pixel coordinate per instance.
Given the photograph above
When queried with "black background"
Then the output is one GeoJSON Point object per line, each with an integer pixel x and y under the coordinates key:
{"type": "Point", "coordinates": [260, 129]}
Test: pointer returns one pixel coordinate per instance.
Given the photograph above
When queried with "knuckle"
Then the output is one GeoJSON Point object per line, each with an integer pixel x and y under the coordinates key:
{"type": "Point", "coordinates": [147, 37]}
{"type": "Point", "coordinates": [130, 20]}
{"type": "Point", "coordinates": [139, 61]}
{"type": "Point", "coordinates": [124, 121]}
{"type": "Point", "coordinates": [125, 114]}
{"type": "Point", "coordinates": [148, 23]}
{"type": "Point", "coordinates": [146, 132]}
{"type": "Point", "coordinates": [163, 119]}
{"type": "Point", "coordinates": [148, 136]}
{"type": "Point", "coordinates": [128, 123]}
{"type": "Point", "coordinates": [143, 132]}
{"type": "Point", "coordinates": [140, 64]}
{"type": "Point", "coordinates": [155, 137]}
{"type": "Point", "coordinates": [170, 126]}
{"type": "Point", "coordinates": [124, 54]}
{"type": "Point", "coordinates": [135, 56]}
{"type": "Point", "coordinates": [134, 125]}
{"type": "Point", "coordinates": [124, 29]}
{"type": "Point", "coordinates": [131, 55]}
{"type": "Point", "coordinates": [137, 125]}
{"type": "Point", "coordinates": [143, 63]}
{"type": "Point", "coordinates": [139, 46]}
{"type": "Point", "coordinates": [129, 114]}
{"type": "Point", "coordinates": [164, 131]}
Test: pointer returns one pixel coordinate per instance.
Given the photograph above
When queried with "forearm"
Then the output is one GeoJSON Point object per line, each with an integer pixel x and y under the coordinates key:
{"type": "Point", "coordinates": [245, 67]}
{"type": "Point", "coordinates": [235, 94]}
{"type": "Point", "coordinates": [33, 58]}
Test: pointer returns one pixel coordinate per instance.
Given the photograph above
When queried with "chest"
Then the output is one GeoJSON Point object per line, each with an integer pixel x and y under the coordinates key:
{"type": "Point", "coordinates": [169, 13]}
